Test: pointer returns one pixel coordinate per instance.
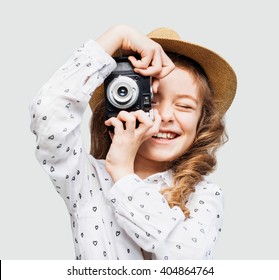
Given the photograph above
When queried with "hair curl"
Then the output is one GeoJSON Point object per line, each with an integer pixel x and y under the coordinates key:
{"type": "Point", "coordinates": [199, 160]}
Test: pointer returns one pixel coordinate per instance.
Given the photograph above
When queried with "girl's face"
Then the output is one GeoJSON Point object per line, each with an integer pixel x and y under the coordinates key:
{"type": "Point", "coordinates": [179, 106]}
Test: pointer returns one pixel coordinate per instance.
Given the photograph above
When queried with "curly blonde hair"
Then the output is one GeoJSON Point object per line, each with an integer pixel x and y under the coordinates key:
{"type": "Point", "coordinates": [199, 160]}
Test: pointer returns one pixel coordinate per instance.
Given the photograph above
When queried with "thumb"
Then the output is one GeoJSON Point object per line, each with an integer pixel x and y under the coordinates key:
{"type": "Point", "coordinates": [155, 85]}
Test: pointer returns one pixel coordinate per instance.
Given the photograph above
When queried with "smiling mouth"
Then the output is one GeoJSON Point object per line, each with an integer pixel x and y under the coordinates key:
{"type": "Point", "coordinates": [168, 135]}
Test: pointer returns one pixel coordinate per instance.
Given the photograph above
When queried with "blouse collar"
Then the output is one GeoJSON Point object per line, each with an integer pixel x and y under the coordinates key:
{"type": "Point", "coordinates": [161, 177]}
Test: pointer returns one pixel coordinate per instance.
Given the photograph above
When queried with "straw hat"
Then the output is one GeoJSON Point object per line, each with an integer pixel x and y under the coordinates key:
{"type": "Point", "coordinates": [220, 74]}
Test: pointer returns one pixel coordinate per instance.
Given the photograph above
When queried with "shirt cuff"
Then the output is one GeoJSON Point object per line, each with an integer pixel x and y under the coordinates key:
{"type": "Point", "coordinates": [126, 185]}
{"type": "Point", "coordinates": [95, 52]}
{"type": "Point", "coordinates": [91, 53]}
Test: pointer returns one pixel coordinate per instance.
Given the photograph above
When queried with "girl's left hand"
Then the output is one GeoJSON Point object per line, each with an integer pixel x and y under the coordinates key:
{"type": "Point", "coordinates": [127, 140]}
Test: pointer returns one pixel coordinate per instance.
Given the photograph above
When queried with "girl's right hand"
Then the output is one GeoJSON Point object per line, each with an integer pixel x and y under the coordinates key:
{"type": "Point", "coordinates": [127, 139]}
{"type": "Point", "coordinates": [154, 61]}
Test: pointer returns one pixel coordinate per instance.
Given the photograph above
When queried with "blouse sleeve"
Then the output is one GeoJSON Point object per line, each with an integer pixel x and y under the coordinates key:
{"type": "Point", "coordinates": [56, 115]}
{"type": "Point", "coordinates": [146, 216]}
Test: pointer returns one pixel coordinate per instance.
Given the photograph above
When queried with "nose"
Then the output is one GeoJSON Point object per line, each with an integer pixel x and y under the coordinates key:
{"type": "Point", "coordinates": [166, 112]}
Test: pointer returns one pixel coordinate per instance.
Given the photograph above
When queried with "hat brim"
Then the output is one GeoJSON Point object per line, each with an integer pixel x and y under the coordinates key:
{"type": "Point", "coordinates": [221, 76]}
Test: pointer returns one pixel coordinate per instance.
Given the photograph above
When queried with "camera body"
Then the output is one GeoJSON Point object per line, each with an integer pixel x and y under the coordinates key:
{"type": "Point", "coordinates": [127, 90]}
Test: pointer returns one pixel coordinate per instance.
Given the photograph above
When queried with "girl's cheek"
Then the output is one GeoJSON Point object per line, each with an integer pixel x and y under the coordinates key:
{"type": "Point", "coordinates": [187, 121]}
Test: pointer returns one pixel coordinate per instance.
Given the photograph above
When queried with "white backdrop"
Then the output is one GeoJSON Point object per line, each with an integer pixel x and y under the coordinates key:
{"type": "Point", "coordinates": [38, 36]}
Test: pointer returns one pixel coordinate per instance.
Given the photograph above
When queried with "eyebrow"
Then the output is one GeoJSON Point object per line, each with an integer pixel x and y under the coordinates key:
{"type": "Point", "coordinates": [185, 95]}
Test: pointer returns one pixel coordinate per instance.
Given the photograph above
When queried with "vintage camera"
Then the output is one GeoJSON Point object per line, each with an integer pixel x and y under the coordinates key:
{"type": "Point", "coordinates": [127, 90]}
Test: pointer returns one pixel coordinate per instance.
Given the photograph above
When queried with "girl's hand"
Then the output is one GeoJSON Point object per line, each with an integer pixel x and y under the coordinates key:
{"type": "Point", "coordinates": [154, 61]}
{"type": "Point", "coordinates": [127, 140]}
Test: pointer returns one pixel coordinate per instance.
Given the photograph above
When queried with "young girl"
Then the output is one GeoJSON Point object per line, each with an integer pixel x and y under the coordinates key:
{"type": "Point", "coordinates": [141, 193]}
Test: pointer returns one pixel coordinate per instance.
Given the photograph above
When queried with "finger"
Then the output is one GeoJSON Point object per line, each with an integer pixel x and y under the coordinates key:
{"type": "Point", "coordinates": [142, 63]}
{"type": "Point", "coordinates": [111, 135]}
{"type": "Point", "coordinates": [147, 127]}
{"type": "Point", "coordinates": [144, 120]}
{"type": "Point", "coordinates": [117, 124]}
{"type": "Point", "coordinates": [155, 85]}
{"type": "Point", "coordinates": [129, 119]}
{"type": "Point", "coordinates": [154, 69]}
{"type": "Point", "coordinates": [161, 66]}
{"type": "Point", "coordinates": [157, 122]}
{"type": "Point", "coordinates": [167, 66]}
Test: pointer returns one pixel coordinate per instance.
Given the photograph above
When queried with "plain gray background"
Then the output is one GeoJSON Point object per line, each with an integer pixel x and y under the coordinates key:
{"type": "Point", "coordinates": [38, 36]}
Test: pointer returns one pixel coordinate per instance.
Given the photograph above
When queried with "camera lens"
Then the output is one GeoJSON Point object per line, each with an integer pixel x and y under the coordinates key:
{"type": "Point", "coordinates": [122, 91]}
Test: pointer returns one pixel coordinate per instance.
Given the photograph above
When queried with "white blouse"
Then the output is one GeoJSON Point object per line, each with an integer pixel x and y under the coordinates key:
{"type": "Point", "coordinates": [128, 219]}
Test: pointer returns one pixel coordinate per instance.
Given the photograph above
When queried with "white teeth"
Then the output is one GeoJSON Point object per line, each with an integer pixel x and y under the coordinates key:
{"type": "Point", "coordinates": [165, 135]}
